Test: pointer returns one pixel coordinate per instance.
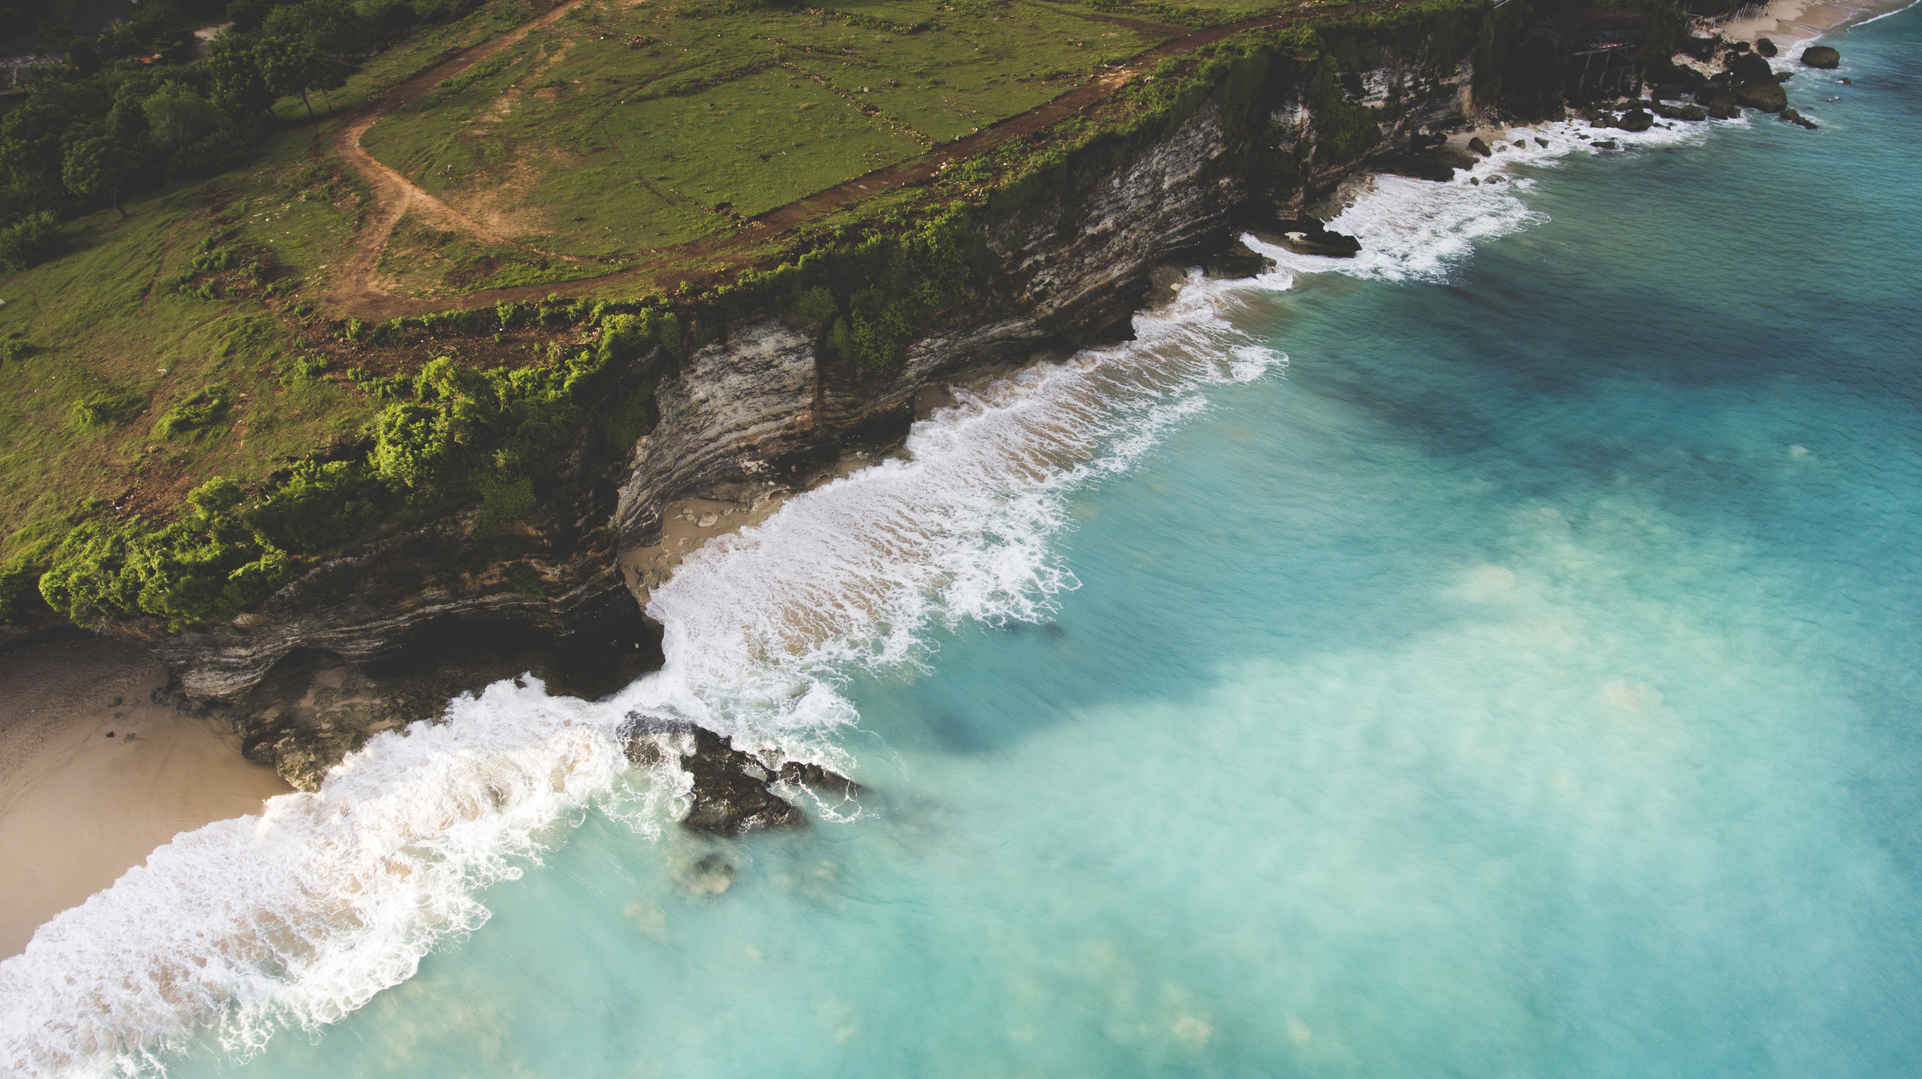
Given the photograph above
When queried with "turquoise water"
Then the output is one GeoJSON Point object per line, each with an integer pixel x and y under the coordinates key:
{"type": "Point", "coordinates": [1517, 678]}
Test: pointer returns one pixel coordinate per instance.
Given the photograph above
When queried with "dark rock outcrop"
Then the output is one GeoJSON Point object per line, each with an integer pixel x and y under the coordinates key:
{"type": "Point", "coordinates": [1821, 56]}
{"type": "Point", "coordinates": [1701, 48]}
{"type": "Point", "coordinates": [1310, 236]}
{"type": "Point", "coordinates": [1690, 113]}
{"type": "Point", "coordinates": [1437, 164]}
{"type": "Point", "coordinates": [1237, 260]}
{"type": "Point", "coordinates": [1791, 116]}
{"type": "Point", "coordinates": [1477, 146]}
{"type": "Point", "coordinates": [1765, 46]}
{"type": "Point", "coordinates": [1764, 96]}
{"type": "Point", "coordinates": [1635, 120]}
{"type": "Point", "coordinates": [732, 789]}
{"type": "Point", "coordinates": [1750, 68]}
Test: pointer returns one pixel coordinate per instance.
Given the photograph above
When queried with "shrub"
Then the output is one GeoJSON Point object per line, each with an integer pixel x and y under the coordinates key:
{"type": "Point", "coordinates": [30, 240]}
{"type": "Point", "coordinates": [106, 406]}
{"type": "Point", "coordinates": [206, 566]}
{"type": "Point", "coordinates": [319, 506]}
{"type": "Point", "coordinates": [200, 410]}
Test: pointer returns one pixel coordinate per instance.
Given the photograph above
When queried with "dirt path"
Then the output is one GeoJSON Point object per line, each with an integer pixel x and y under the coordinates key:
{"type": "Point", "coordinates": [358, 292]}
{"type": "Point", "coordinates": [358, 287]}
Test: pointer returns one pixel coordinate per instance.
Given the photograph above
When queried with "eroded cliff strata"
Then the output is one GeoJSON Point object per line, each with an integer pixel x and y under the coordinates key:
{"type": "Point", "coordinates": [374, 640]}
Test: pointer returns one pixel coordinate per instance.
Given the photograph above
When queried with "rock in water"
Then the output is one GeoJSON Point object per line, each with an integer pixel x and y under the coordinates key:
{"type": "Point", "coordinates": [1309, 236]}
{"type": "Point", "coordinates": [1636, 120]}
{"type": "Point", "coordinates": [1476, 145]}
{"type": "Point", "coordinates": [1795, 117]}
{"type": "Point", "coordinates": [1691, 113]}
{"type": "Point", "coordinates": [1434, 163]}
{"type": "Point", "coordinates": [1765, 46]}
{"type": "Point", "coordinates": [731, 792]}
{"type": "Point", "coordinates": [1766, 96]}
{"type": "Point", "coordinates": [1821, 56]}
{"type": "Point", "coordinates": [1236, 262]}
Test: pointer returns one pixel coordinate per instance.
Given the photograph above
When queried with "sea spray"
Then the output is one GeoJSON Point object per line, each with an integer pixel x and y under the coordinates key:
{"type": "Point", "coordinates": [298, 916]}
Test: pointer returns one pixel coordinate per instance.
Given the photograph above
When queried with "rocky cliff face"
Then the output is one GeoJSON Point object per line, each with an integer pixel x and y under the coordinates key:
{"type": "Point", "coordinates": [1071, 273]}
{"type": "Point", "coordinates": [304, 675]}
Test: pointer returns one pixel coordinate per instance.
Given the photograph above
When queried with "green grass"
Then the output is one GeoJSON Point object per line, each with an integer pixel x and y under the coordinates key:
{"type": "Point", "coordinates": [117, 320]}
{"type": "Point", "coordinates": [188, 340]}
{"type": "Point", "coordinates": [622, 129]}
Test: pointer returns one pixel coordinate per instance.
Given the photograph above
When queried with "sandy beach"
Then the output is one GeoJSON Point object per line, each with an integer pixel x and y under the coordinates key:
{"type": "Point", "coordinates": [94, 776]}
{"type": "Point", "coordinates": [1790, 23]}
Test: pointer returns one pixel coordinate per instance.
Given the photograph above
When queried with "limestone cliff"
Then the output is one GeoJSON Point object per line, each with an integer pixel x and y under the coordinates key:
{"type": "Point", "coordinates": [769, 402]}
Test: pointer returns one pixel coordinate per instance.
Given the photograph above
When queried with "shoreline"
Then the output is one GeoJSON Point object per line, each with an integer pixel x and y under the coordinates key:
{"type": "Point", "coordinates": [78, 808]}
{"type": "Point", "coordinates": [95, 774]}
{"type": "Point", "coordinates": [1794, 23]}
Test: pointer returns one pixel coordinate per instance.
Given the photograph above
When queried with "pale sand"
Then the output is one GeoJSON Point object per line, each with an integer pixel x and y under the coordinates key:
{"type": "Point", "coordinates": [1794, 23]}
{"type": "Point", "coordinates": [78, 808]}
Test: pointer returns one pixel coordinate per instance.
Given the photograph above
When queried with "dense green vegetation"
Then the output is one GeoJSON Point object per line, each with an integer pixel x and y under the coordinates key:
{"type": "Point", "coordinates": [131, 110]}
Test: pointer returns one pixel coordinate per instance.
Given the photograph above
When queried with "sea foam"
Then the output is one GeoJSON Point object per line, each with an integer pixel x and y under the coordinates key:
{"type": "Point", "coordinates": [298, 916]}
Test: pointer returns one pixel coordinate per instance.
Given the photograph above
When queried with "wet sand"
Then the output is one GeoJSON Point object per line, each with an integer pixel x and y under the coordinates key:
{"type": "Point", "coordinates": [94, 776]}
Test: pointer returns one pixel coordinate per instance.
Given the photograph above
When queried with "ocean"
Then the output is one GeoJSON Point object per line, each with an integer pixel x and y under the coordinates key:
{"type": "Point", "coordinates": [1499, 654]}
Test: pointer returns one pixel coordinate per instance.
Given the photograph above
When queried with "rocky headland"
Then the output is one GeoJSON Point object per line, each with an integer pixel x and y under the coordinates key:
{"type": "Point", "coordinates": [384, 635]}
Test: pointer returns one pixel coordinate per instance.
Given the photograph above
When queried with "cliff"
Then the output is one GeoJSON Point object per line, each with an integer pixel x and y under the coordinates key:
{"type": "Point", "coordinates": [350, 646]}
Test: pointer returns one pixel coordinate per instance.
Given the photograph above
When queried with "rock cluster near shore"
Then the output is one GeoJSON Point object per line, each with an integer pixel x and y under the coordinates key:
{"type": "Point", "coordinates": [732, 790]}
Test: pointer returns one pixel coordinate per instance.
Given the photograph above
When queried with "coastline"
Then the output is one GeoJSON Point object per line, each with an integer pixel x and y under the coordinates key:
{"type": "Point", "coordinates": [77, 808]}
{"type": "Point", "coordinates": [1799, 22]}
{"type": "Point", "coordinates": [94, 775]}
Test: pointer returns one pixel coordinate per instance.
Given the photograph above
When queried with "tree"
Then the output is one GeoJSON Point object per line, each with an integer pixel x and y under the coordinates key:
{"type": "Point", "coordinates": [310, 46]}
{"type": "Point", "coordinates": [236, 82]}
{"type": "Point", "coordinates": [178, 117]}
{"type": "Point", "coordinates": [288, 65]}
{"type": "Point", "coordinates": [95, 167]}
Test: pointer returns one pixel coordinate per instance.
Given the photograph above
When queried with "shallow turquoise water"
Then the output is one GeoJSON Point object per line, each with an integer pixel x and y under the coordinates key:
{"type": "Point", "coordinates": [1520, 680]}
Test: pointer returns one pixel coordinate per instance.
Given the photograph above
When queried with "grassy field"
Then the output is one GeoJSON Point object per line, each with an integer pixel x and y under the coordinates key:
{"type": "Point", "coordinates": [124, 329]}
{"type": "Point", "coordinates": [190, 338]}
{"type": "Point", "coordinates": [128, 318]}
{"type": "Point", "coordinates": [623, 128]}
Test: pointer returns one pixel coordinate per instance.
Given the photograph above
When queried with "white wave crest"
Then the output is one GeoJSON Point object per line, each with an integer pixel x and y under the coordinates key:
{"type": "Point", "coordinates": [1416, 230]}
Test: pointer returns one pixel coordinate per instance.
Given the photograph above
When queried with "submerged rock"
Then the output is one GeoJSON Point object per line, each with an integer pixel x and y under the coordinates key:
{"type": "Point", "coordinates": [732, 791]}
{"type": "Point", "coordinates": [1821, 56]}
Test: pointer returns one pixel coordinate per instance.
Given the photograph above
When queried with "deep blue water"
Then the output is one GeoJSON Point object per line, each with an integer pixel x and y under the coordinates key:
{"type": "Point", "coordinates": [1521, 679]}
